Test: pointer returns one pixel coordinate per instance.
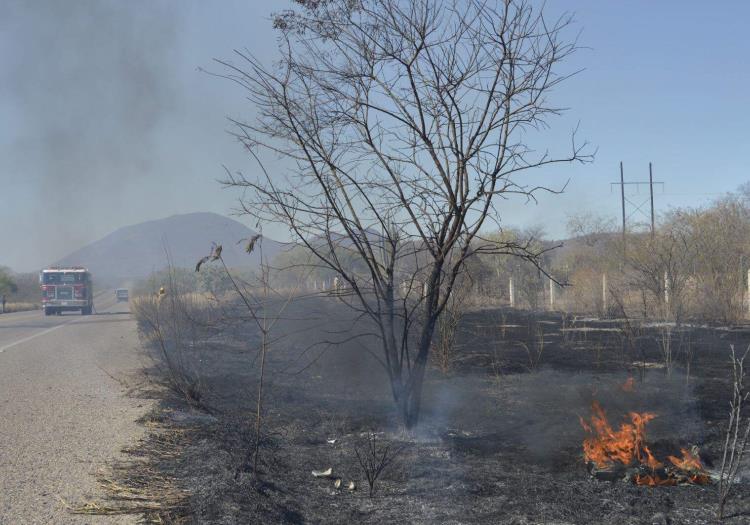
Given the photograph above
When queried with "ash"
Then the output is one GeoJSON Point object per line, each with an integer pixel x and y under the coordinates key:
{"type": "Point", "coordinates": [499, 441]}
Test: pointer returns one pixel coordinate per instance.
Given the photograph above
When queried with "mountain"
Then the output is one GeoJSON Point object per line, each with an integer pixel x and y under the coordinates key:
{"type": "Point", "coordinates": [135, 251]}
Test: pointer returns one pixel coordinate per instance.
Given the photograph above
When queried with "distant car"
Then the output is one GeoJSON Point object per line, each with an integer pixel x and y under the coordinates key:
{"type": "Point", "coordinates": [121, 294]}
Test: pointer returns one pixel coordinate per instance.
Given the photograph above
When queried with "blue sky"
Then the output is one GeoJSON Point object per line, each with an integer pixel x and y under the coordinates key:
{"type": "Point", "coordinates": [106, 120]}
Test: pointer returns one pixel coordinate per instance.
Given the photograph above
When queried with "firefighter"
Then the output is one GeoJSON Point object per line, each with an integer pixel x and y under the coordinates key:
{"type": "Point", "coordinates": [162, 292]}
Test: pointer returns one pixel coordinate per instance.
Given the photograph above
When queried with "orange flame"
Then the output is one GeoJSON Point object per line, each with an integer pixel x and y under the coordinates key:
{"type": "Point", "coordinates": [689, 461]}
{"type": "Point", "coordinates": [691, 465]}
{"type": "Point", "coordinates": [652, 480]}
{"type": "Point", "coordinates": [606, 447]}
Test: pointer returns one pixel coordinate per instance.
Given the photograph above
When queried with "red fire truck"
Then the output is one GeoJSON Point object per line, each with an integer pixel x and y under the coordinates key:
{"type": "Point", "coordinates": [68, 288]}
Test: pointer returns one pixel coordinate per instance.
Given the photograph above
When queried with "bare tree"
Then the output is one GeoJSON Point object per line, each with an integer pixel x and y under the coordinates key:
{"type": "Point", "coordinates": [661, 265]}
{"type": "Point", "coordinates": [265, 307]}
{"type": "Point", "coordinates": [404, 124]}
{"type": "Point", "coordinates": [720, 235]}
{"type": "Point", "coordinates": [6, 282]}
{"type": "Point", "coordinates": [737, 436]}
{"type": "Point", "coordinates": [590, 228]}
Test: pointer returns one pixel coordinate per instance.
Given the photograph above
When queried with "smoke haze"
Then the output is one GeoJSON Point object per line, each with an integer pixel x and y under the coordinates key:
{"type": "Point", "coordinates": [89, 84]}
{"type": "Point", "coordinates": [105, 120]}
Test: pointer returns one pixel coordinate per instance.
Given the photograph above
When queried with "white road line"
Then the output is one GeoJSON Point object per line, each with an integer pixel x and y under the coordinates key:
{"type": "Point", "coordinates": [25, 339]}
{"type": "Point", "coordinates": [43, 332]}
{"type": "Point", "coordinates": [48, 330]}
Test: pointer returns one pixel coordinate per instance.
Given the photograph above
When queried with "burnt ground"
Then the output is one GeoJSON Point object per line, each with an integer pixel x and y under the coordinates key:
{"type": "Point", "coordinates": [499, 439]}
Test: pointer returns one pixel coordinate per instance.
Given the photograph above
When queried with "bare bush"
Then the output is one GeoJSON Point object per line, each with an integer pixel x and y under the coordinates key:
{"type": "Point", "coordinates": [375, 458]}
{"type": "Point", "coordinates": [630, 331]}
{"type": "Point", "coordinates": [688, 352]}
{"type": "Point", "coordinates": [737, 433]}
{"type": "Point", "coordinates": [665, 345]}
{"type": "Point", "coordinates": [535, 350]}
{"type": "Point", "coordinates": [175, 321]}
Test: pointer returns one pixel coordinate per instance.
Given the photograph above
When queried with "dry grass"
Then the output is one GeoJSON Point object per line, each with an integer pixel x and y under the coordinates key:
{"type": "Point", "coordinates": [20, 307]}
{"type": "Point", "coordinates": [136, 486]}
{"type": "Point", "coordinates": [191, 299]}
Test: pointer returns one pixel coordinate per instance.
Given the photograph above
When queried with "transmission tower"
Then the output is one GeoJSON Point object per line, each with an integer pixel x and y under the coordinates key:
{"type": "Point", "coordinates": [634, 200]}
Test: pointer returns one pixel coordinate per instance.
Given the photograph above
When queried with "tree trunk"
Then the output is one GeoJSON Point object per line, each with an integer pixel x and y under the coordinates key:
{"type": "Point", "coordinates": [408, 394]}
{"type": "Point", "coordinates": [391, 350]}
{"type": "Point", "coordinates": [413, 403]}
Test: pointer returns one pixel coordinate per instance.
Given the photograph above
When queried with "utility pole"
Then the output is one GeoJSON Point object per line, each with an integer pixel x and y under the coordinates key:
{"type": "Point", "coordinates": [622, 194]}
{"type": "Point", "coordinates": [551, 293]}
{"type": "Point", "coordinates": [651, 188]}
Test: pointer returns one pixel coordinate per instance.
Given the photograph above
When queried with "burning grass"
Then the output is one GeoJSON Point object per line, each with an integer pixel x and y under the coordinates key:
{"type": "Point", "coordinates": [623, 453]}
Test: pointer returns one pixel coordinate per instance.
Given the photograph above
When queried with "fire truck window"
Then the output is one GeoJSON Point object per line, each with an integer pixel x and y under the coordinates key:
{"type": "Point", "coordinates": [65, 278]}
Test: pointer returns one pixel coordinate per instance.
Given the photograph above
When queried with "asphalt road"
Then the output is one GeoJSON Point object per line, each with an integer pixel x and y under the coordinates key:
{"type": "Point", "coordinates": [62, 415]}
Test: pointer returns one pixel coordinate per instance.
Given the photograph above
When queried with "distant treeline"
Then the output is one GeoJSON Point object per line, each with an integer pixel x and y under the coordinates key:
{"type": "Point", "coordinates": [19, 287]}
{"type": "Point", "coordinates": [693, 266]}
{"type": "Point", "coordinates": [211, 279]}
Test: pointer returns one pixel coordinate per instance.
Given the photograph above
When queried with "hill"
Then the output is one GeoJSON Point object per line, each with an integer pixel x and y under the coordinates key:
{"type": "Point", "coordinates": [136, 251]}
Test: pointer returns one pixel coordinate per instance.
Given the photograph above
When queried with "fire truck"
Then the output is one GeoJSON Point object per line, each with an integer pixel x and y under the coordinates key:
{"type": "Point", "coordinates": [65, 289]}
